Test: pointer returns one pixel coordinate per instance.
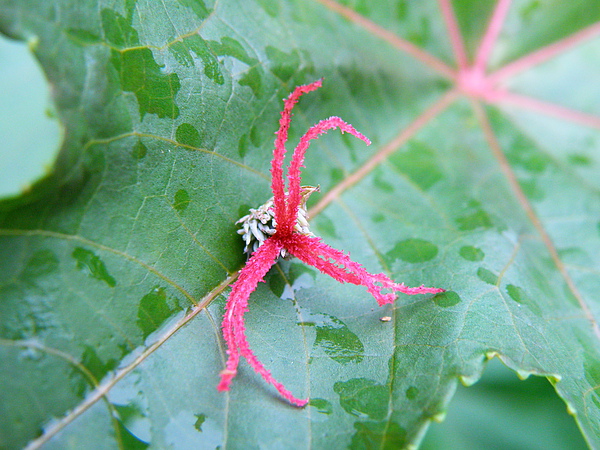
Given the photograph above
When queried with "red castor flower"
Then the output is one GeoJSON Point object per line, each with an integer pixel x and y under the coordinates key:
{"type": "Point", "coordinates": [280, 228]}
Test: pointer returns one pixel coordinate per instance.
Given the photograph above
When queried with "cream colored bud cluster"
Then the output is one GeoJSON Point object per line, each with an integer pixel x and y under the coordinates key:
{"type": "Point", "coordinates": [260, 224]}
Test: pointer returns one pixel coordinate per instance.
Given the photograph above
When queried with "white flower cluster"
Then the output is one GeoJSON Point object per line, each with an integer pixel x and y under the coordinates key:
{"type": "Point", "coordinates": [260, 224]}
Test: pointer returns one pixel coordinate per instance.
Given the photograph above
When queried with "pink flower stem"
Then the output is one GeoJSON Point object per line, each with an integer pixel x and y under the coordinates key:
{"type": "Point", "coordinates": [339, 266]}
{"type": "Point", "coordinates": [294, 198]}
{"type": "Point", "coordinates": [237, 305]}
{"type": "Point", "coordinates": [277, 183]}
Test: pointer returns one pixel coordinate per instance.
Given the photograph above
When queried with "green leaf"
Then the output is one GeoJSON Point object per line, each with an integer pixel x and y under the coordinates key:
{"type": "Point", "coordinates": [482, 179]}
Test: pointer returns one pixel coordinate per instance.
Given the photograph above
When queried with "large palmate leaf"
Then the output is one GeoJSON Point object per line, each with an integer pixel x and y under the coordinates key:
{"type": "Point", "coordinates": [482, 179]}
